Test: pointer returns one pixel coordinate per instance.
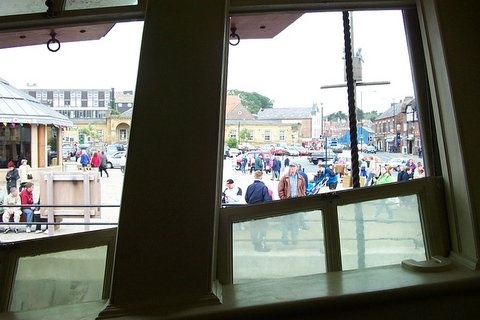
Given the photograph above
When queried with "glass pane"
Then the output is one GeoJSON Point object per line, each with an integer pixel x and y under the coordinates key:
{"type": "Point", "coordinates": [12, 7]}
{"type": "Point", "coordinates": [284, 246]}
{"type": "Point", "coordinates": [90, 4]}
{"type": "Point", "coordinates": [287, 98]}
{"type": "Point", "coordinates": [380, 232]}
{"type": "Point", "coordinates": [61, 278]}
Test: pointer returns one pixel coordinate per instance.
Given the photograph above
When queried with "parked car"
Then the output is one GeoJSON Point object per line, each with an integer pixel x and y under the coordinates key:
{"type": "Point", "coordinates": [317, 156]}
{"type": "Point", "coordinates": [234, 152]}
{"type": "Point", "coordinates": [116, 160]}
{"type": "Point", "coordinates": [291, 151]}
{"type": "Point", "coordinates": [369, 149]}
{"type": "Point", "coordinates": [301, 150]}
{"type": "Point", "coordinates": [114, 148]}
{"type": "Point", "coordinates": [396, 163]}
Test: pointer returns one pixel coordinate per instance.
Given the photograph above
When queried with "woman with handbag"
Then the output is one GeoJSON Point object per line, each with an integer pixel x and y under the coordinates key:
{"type": "Point", "coordinates": [25, 172]}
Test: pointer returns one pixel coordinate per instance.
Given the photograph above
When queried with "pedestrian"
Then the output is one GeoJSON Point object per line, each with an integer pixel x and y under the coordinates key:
{"type": "Point", "coordinates": [84, 160]}
{"type": "Point", "coordinates": [232, 194]}
{"type": "Point", "coordinates": [405, 174]}
{"type": "Point", "coordinates": [12, 176]}
{"type": "Point", "coordinates": [25, 172]}
{"type": "Point", "coordinates": [326, 172]}
{"type": "Point", "coordinates": [286, 162]}
{"type": "Point", "coordinates": [12, 199]}
{"type": "Point", "coordinates": [276, 168]}
{"type": "Point", "coordinates": [371, 171]}
{"type": "Point", "coordinates": [411, 164]}
{"type": "Point", "coordinates": [26, 197]}
{"type": "Point", "coordinates": [103, 164]}
{"type": "Point", "coordinates": [95, 160]}
{"type": "Point", "coordinates": [258, 192]}
{"type": "Point", "coordinates": [243, 164]}
{"type": "Point", "coordinates": [385, 175]}
{"type": "Point", "coordinates": [419, 172]}
{"type": "Point", "coordinates": [291, 185]}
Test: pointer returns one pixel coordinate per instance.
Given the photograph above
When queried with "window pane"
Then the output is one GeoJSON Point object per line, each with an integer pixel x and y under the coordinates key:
{"type": "Point", "coordinates": [302, 82]}
{"type": "Point", "coordinates": [60, 278]}
{"type": "Point", "coordinates": [380, 232]}
{"type": "Point", "coordinates": [284, 246]}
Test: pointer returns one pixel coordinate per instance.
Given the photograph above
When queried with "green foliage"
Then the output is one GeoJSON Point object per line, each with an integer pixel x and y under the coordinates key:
{"type": "Point", "coordinates": [232, 142]}
{"type": "Point", "coordinates": [372, 115]}
{"type": "Point", "coordinates": [244, 134]}
{"type": "Point", "coordinates": [253, 101]}
{"type": "Point", "coordinates": [89, 132]}
{"type": "Point", "coordinates": [114, 112]}
{"type": "Point", "coordinates": [337, 116]}
{"type": "Point", "coordinates": [52, 142]}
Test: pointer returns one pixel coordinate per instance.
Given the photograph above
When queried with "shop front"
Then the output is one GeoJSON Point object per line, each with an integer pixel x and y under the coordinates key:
{"type": "Point", "coordinates": [28, 129]}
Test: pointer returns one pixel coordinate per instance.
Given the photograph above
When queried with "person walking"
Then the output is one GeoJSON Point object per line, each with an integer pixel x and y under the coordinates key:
{"type": "Point", "coordinates": [95, 161]}
{"type": "Point", "coordinates": [291, 185]}
{"type": "Point", "coordinates": [243, 164]}
{"type": "Point", "coordinates": [84, 160]}
{"type": "Point", "coordinates": [258, 192]}
{"type": "Point", "coordinates": [103, 164]}
{"type": "Point", "coordinates": [276, 168]}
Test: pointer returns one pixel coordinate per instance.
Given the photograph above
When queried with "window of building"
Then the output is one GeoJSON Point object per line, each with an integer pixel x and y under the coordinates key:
{"type": "Point", "coordinates": [233, 133]}
{"type": "Point", "coordinates": [251, 136]}
{"type": "Point", "coordinates": [266, 135]}
{"type": "Point", "coordinates": [123, 134]}
{"type": "Point", "coordinates": [282, 135]}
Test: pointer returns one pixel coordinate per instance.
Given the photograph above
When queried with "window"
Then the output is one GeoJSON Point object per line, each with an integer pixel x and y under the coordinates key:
{"type": "Point", "coordinates": [250, 135]}
{"type": "Point", "coordinates": [390, 219]}
{"type": "Point", "coordinates": [123, 134]}
{"type": "Point", "coordinates": [233, 133]}
{"type": "Point", "coordinates": [266, 135]}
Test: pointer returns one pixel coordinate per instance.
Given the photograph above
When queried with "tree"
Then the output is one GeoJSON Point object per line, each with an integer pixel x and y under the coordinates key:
{"type": "Point", "coordinates": [253, 101]}
{"type": "Point", "coordinates": [244, 134]}
{"type": "Point", "coordinates": [89, 132]}
{"type": "Point", "coordinates": [337, 116]}
{"type": "Point", "coordinates": [232, 142]}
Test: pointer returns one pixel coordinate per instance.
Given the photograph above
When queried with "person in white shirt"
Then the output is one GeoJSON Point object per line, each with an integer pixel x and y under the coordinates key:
{"type": "Point", "coordinates": [232, 194]}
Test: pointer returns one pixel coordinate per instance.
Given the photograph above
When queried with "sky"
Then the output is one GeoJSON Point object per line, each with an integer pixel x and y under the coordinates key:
{"type": "Point", "coordinates": [289, 69]}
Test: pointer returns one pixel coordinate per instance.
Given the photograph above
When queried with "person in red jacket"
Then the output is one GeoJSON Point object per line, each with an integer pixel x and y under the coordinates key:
{"type": "Point", "coordinates": [26, 197]}
{"type": "Point", "coordinates": [96, 160]}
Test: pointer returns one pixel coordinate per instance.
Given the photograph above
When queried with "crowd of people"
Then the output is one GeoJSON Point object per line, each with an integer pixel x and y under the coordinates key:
{"type": "Point", "coordinates": [18, 200]}
{"type": "Point", "coordinates": [295, 183]}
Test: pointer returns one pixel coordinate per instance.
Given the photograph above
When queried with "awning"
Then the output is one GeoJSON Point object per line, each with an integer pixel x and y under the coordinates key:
{"type": "Point", "coordinates": [18, 107]}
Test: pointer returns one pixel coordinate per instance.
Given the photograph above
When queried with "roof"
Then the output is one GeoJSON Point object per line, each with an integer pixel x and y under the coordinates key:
{"type": "Point", "coordinates": [285, 113]}
{"type": "Point", "coordinates": [18, 107]}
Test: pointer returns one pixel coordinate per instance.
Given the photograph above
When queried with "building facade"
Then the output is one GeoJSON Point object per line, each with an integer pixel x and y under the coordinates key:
{"type": "Point", "coordinates": [76, 103]}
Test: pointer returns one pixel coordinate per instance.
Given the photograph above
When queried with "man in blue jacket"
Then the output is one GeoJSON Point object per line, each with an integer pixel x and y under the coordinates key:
{"type": "Point", "coordinates": [327, 172]}
{"type": "Point", "coordinates": [258, 192]}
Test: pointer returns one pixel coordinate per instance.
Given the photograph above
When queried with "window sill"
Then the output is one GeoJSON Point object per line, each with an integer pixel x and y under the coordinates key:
{"type": "Point", "coordinates": [352, 292]}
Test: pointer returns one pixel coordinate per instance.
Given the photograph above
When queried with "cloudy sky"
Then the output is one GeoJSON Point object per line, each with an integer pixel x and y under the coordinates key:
{"type": "Point", "coordinates": [289, 69]}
